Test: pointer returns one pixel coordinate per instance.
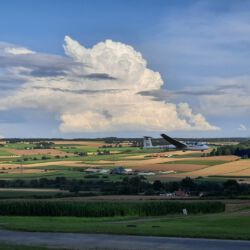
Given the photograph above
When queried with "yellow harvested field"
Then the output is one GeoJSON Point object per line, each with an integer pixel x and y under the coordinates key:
{"type": "Point", "coordinates": [145, 162]}
{"type": "Point", "coordinates": [43, 164]}
{"type": "Point", "coordinates": [8, 166]}
{"type": "Point", "coordinates": [136, 156]}
{"type": "Point", "coordinates": [59, 163]}
{"type": "Point", "coordinates": [159, 155]}
{"type": "Point", "coordinates": [169, 167]}
{"type": "Point", "coordinates": [48, 152]}
{"type": "Point", "coordinates": [245, 172]}
{"type": "Point", "coordinates": [227, 169]}
{"type": "Point", "coordinates": [82, 143]}
{"type": "Point", "coordinates": [157, 163]}
{"type": "Point", "coordinates": [9, 156]}
{"type": "Point", "coordinates": [218, 158]}
{"type": "Point", "coordinates": [28, 171]}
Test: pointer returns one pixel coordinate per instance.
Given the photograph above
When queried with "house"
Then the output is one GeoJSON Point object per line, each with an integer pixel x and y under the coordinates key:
{"type": "Point", "coordinates": [118, 170]}
{"type": "Point", "coordinates": [181, 193]}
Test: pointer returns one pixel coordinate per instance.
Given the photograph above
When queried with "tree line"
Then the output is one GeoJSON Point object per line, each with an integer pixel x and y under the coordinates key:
{"type": "Point", "coordinates": [134, 185]}
{"type": "Point", "coordinates": [242, 150]}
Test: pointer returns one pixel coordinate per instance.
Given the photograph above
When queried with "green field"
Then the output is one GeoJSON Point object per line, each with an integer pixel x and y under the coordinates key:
{"type": "Point", "coordinates": [17, 145]}
{"type": "Point", "coordinates": [226, 226]}
{"type": "Point", "coordinates": [15, 247]}
{"type": "Point", "coordinates": [4, 153]}
{"type": "Point", "coordinates": [51, 172]}
{"type": "Point", "coordinates": [85, 159]}
{"type": "Point", "coordinates": [16, 194]}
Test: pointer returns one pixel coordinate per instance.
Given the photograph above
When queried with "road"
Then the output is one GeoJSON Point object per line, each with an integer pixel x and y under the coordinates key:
{"type": "Point", "coordinates": [85, 241]}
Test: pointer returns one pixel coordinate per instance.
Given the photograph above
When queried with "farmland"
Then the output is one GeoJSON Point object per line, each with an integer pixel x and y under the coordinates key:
{"type": "Point", "coordinates": [227, 226]}
{"type": "Point", "coordinates": [28, 160]}
{"type": "Point", "coordinates": [89, 168]}
{"type": "Point", "coordinates": [76, 186]}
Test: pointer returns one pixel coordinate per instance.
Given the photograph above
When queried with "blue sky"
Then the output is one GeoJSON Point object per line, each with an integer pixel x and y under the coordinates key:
{"type": "Point", "coordinates": [200, 49]}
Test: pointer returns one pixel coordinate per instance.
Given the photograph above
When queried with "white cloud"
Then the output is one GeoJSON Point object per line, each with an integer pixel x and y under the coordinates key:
{"type": "Point", "coordinates": [229, 96]}
{"type": "Point", "coordinates": [242, 127]}
{"type": "Point", "coordinates": [100, 92]}
{"type": "Point", "coordinates": [18, 51]}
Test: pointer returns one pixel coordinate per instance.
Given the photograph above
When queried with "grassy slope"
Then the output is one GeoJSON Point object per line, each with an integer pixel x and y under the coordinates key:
{"type": "Point", "coordinates": [227, 226]}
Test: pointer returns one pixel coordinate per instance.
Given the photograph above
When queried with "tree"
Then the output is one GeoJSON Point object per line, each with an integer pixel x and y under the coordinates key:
{"type": "Point", "coordinates": [157, 185]}
{"type": "Point", "coordinates": [231, 187]}
{"type": "Point", "coordinates": [75, 188]}
{"type": "Point", "coordinates": [188, 183]}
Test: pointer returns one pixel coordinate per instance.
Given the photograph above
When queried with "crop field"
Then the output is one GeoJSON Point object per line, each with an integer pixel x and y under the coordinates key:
{"type": "Point", "coordinates": [222, 226]}
{"type": "Point", "coordinates": [234, 168]}
{"type": "Point", "coordinates": [71, 158]}
{"type": "Point", "coordinates": [4, 153]}
{"type": "Point", "coordinates": [159, 218]}
{"type": "Point", "coordinates": [46, 197]}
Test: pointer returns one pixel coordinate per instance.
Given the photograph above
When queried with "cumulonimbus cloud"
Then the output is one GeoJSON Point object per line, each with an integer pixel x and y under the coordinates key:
{"type": "Point", "coordinates": [96, 89]}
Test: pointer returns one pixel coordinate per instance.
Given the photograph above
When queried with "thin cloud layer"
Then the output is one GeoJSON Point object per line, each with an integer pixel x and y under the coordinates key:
{"type": "Point", "coordinates": [242, 127]}
{"type": "Point", "coordinates": [94, 89]}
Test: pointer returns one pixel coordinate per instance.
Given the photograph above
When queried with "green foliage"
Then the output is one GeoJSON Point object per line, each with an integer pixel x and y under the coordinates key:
{"type": "Point", "coordinates": [242, 150]}
{"type": "Point", "coordinates": [105, 209]}
{"type": "Point", "coordinates": [43, 145]}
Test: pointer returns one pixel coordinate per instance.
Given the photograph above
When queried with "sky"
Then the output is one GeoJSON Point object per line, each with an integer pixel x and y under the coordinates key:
{"type": "Point", "coordinates": [98, 68]}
